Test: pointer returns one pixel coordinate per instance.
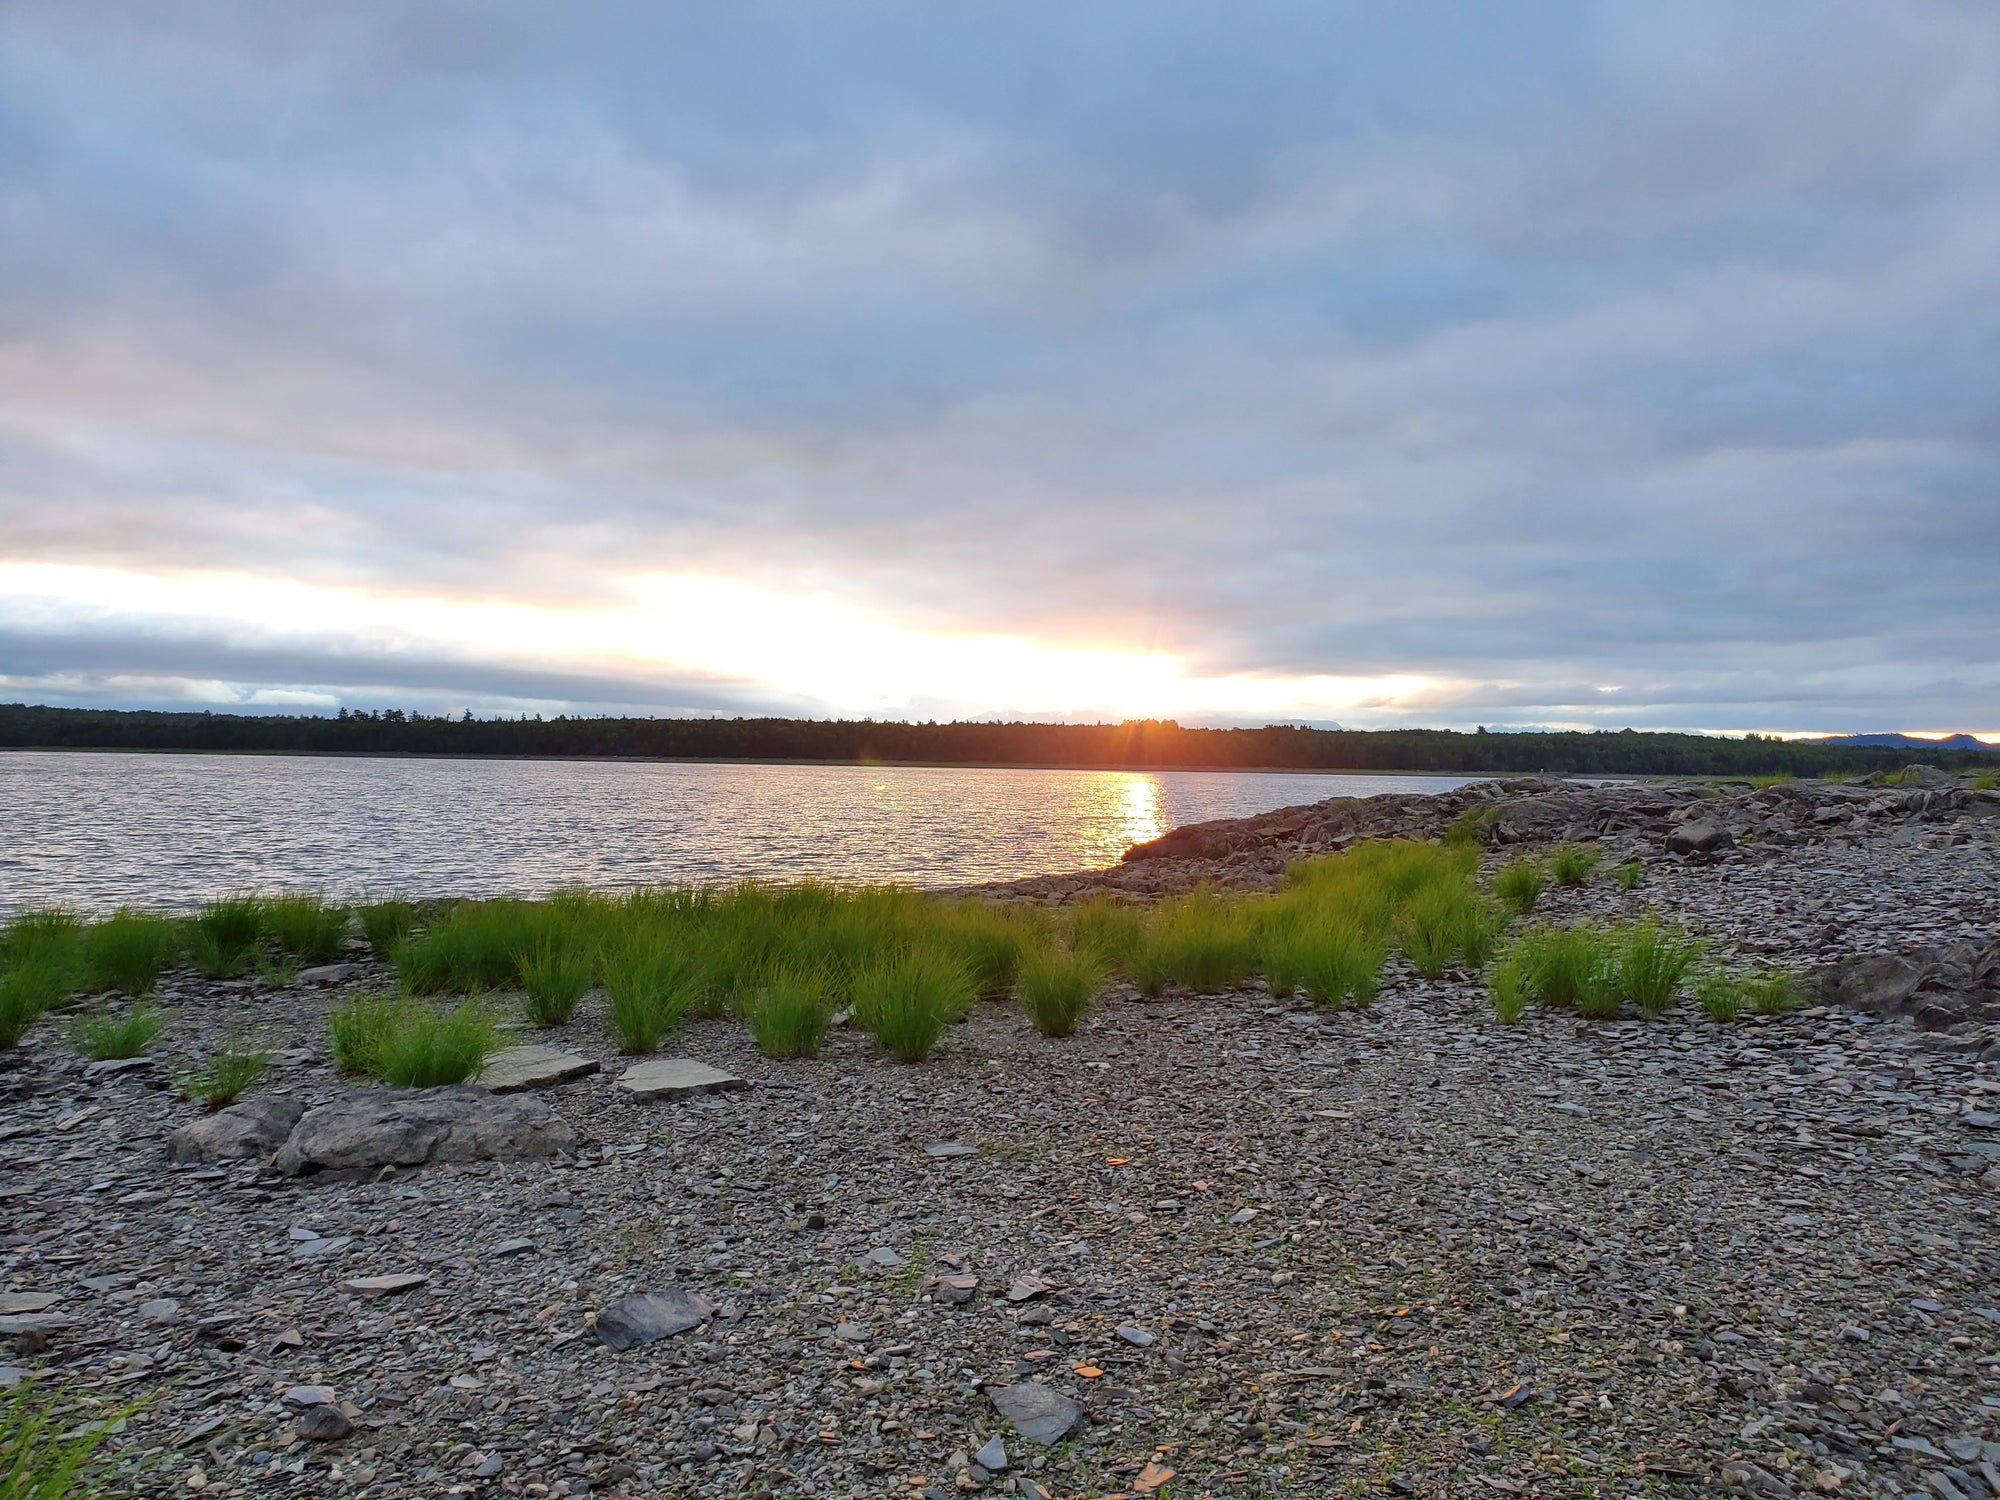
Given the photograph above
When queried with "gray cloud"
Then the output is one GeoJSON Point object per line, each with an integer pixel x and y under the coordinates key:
{"type": "Point", "coordinates": [1542, 350]}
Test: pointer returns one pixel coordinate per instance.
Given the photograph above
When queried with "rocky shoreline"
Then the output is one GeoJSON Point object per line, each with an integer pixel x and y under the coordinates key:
{"type": "Point", "coordinates": [1212, 1245]}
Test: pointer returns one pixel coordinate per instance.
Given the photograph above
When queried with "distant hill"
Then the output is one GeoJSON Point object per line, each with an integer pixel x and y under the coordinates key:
{"type": "Point", "coordinates": [1904, 742]}
{"type": "Point", "coordinates": [1156, 744]}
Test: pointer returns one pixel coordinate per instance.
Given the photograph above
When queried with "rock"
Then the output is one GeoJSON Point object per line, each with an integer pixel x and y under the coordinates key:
{"type": "Point", "coordinates": [386, 1286]}
{"type": "Point", "coordinates": [943, 1150]}
{"type": "Point", "coordinates": [882, 1258]}
{"type": "Point", "coordinates": [952, 1290]}
{"type": "Point", "coordinates": [111, 1067]}
{"type": "Point", "coordinates": [676, 1078]}
{"type": "Point", "coordinates": [27, 1302]}
{"type": "Point", "coordinates": [1151, 1479]}
{"type": "Point", "coordinates": [301, 1396]}
{"type": "Point", "coordinates": [510, 1247]}
{"type": "Point", "coordinates": [1700, 837]}
{"type": "Point", "coordinates": [993, 1456]}
{"type": "Point", "coordinates": [251, 1129]}
{"type": "Point", "coordinates": [1039, 1414]}
{"type": "Point", "coordinates": [646, 1317]}
{"type": "Point", "coordinates": [160, 1310]}
{"type": "Point", "coordinates": [513, 1070]}
{"type": "Point", "coordinates": [322, 1424]}
{"type": "Point", "coordinates": [326, 974]}
{"type": "Point", "coordinates": [1138, 1338]}
{"type": "Point", "coordinates": [393, 1127]}
{"type": "Point", "coordinates": [1026, 1288]}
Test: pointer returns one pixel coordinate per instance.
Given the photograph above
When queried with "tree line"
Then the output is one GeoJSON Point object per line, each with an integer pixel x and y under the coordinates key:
{"type": "Point", "coordinates": [1135, 744]}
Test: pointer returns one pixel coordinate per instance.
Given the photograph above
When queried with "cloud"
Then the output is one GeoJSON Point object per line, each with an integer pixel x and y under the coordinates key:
{"type": "Point", "coordinates": [1512, 354]}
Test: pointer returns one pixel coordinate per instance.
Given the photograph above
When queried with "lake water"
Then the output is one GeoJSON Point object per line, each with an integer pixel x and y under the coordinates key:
{"type": "Point", "coordinates": [100, 830]}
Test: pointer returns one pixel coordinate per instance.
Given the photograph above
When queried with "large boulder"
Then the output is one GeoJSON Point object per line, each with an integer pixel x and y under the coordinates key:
{"type": "Point", "coordinates": [1702, 836]}
{"type": "Point", "coordinates": [253, 1128]}
{"type": "Point", "coordinates": [1039, 1414]}
{"type": "Point", "coordinates": [397, 1128]}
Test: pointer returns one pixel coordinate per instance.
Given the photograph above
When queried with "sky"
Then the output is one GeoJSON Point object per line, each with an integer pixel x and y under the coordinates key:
{"type": "Point", "coordinates": [1443, 364]}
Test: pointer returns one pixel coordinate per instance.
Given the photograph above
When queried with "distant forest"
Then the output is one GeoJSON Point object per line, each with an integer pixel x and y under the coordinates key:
{"type": "Point", "coordinates": [1148, 744]}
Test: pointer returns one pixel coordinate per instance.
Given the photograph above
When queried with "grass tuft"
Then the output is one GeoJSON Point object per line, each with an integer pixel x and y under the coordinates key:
{"type": "Point", "coordinates": [228, 1075]}
{"type": "Point", "coordinates": [30, 987]}
{"type": "Point", "coordinates": [410, 1044]}
{"type": "Point", "coordinates": [224, 939]}
{"type": "Point", "coordinates": [39, 1459]}
{"type": "Point", "coordinates": [1112, 929]}
{"type": "Point", "coordinates": [1652, 961]}
{"type": "Point", "coordinates": [1520, 884]}
{"type": "Point", "coordinates": [1509, 986]}
{"type": "Point", "coordinates": [118, 1034]}
{"type": "Point", "coordinates": [387, 922]}
{"type": "Point", "coordinates": [908, 1001]}
{"type": "Point", "coordinates": [1571, 864]}
{"type": "Point", "coordinates": [127, 951]}
{"type": "Point", "coordinates": [790, 1018]}
{"type": "Point", "coordinates": [554, 976]}
{"type": "Point", "coordinates": [305, 926]}
{"type": "Point", "coordinates": [652, 986]}
{"type": "Point", "coordinates": [1569, 967]}
{"type": "Point", "coordinates": [1629, 874]}
{"type": "Point", "coordinates": [1719, 994]}
{"type": "Point", "coordinates": [1056, 988]}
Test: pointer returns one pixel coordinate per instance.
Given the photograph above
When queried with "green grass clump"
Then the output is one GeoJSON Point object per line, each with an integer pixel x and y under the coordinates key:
{"type": "Point", "coordinates": [990, 939]}
{"type": "Point", "coordinates": [117, 1034]}
{"type": "Point", "coordinates": [410, 1044]}
{"type": "Point", "coordinates": [1569, 967]}
{"type": "Point", "coordinates": [1571, 864]}
{"type": "Point", "coordinates": [306, 926]}
{"type": "Point", "coordinates": [1772, 778]}
{"type": "Point", "coordinates": [1652, 961]}
{"type": "Point", "coordinates": [1473, 826]}
{"type": "Point", "coordinates": [387, 922]}
{"type": "Point", "coordinates": [1112, 929]}
{"type": "Point", "coordinates": [469, 950]}
{"type": "Point", "coordinates": [1986, 781]}
{"type": "Point", "coordinates": [127, 951]}
{"type": "Point", "coordinates": [791, 1017]}
{"type": "Point", "coordinates": [225, 934]}
{"type": "Point", "coordinates": [1509, 985]}
{"type": "Point", "coordinates": [1775, 992]}
{"type": "Point", "coordinates": [908, 1001]}
{"type": "Point", "coordinates": [358, 1029]}
{"type": "Point", "coordinates": [50, 935]}
{"type": "Point", "coordinates": [30, 987]}
{"type": "Point", "coordinates": [1427, 931]}
{"type": "Point", "coordinates": [228, 1075]}
{"type": "Point", "coordinates": [554, 976]}
{"type": "Point", "coordinates": [1203, 942]}
{"type": "Point", "coordinates": [1056, 988]}
{"type": "Point", "coordinates": [431, 1047]}
{"type": "Point", "coordinates": [1629, 874]}
{"type": "Point", "coordinates": [652, 986]}
{"type": "Point", "coordinates": [1520, 884]}
{"type": "Point", "coordinates": [37, 1460]}
{"type": "Point", "coordinates": [1719, 994]}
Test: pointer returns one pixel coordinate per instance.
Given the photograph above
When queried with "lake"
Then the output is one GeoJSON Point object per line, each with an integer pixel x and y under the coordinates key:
{"type": "Point", "coordinates": [99, 830]}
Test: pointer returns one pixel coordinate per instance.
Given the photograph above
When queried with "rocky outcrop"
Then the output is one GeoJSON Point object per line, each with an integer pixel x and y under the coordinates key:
{"type": "Point", "coordinates": [1676, 819]}
{"type": "Point", "coordinates": [393, 1128]}
{"type": "Point", "coordinates": [250, 1130]}
{"type": "Point", "coordinates": [1955, 987]}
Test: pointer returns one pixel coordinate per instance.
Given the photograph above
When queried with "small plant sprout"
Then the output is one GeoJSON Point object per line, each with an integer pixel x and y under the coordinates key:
{"type": "Point", "coordinates": [1775, 992]}
{"type": "Point", "coordinates": [1719, 995]}
{"type": "Point", "coordinates": [1629, 874]}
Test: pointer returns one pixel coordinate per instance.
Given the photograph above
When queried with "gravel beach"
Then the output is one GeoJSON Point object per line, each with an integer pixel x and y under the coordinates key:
{"type": "Point", "coordinates": [1213, 1245]}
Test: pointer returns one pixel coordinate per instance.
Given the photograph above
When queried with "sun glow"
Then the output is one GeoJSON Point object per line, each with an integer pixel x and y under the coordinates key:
{"type": "Point", "coordinates": [663, 630]}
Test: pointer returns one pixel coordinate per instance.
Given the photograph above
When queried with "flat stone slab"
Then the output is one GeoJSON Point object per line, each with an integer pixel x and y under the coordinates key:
{"type": "Point", "coordinates": [1039, 1414]}
{"type": "Point", "coordinates": [27, 1302]}
{"type": "Point", "coordinates": [408, 1128]}
{"type": "Point", "coordinates": [944, 1150]}
{"type": "Point", "coordinates": [677, 1078]}
{"type": "Point", "coordinates": [386, 1286]}
{"type": "Point", "coordinates": [646, 1317]}
{"type": "Point", "coordinates": [513, 1070]}
{"type": "Point", "coordinates": [250, 1129]}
